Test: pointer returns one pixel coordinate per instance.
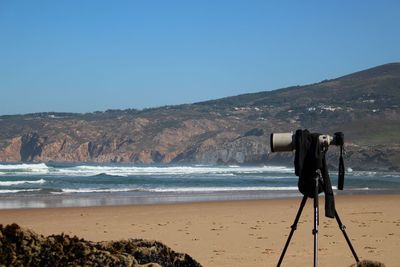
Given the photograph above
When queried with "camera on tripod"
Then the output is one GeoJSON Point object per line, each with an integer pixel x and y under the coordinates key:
{"type": "Point", "coordinates": [312, 170]}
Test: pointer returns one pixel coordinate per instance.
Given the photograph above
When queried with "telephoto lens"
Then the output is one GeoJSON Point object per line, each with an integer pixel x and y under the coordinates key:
{"type": "Point", "coordinates": [286, 142]}
{"type": "Point", "coordinates": [282, 142]}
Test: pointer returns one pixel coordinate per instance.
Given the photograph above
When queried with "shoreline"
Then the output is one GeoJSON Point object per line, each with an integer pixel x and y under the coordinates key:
{"type": "Point", "coordinates": [128, 199]}
{"type": "Point", "coordinates": [235, 233]}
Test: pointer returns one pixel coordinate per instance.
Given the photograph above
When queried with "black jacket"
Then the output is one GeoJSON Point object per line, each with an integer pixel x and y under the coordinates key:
{"type": "Point", "coordinates": [308, 159]}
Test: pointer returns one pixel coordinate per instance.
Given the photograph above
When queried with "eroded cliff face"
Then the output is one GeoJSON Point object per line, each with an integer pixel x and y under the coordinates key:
{"type": "Point", "coordinates": [12, 152]}
{"type": "Point", "coordinates": [189, 141]}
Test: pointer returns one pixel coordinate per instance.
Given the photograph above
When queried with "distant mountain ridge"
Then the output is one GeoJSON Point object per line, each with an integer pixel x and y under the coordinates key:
{"type": "Point", "coordinates": [371, 81]}
{"type": "Point", "coordinates": [364, 105]}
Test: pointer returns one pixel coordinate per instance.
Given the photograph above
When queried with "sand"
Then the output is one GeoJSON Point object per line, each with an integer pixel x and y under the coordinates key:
{"type": "Point", "coordinates": [236, 233]}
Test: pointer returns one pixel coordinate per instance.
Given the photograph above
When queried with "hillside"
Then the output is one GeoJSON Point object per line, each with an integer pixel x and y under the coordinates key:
{"type": "Point", "coordinates": [232, 130]}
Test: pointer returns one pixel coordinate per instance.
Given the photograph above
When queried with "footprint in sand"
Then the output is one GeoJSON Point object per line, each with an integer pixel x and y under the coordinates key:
{"type": "Point", "coordinates": [218, 252]}
{"type": "Point", "coordinates": [370, 249]}
{"type": "Point", "coordinates": [268, 251]}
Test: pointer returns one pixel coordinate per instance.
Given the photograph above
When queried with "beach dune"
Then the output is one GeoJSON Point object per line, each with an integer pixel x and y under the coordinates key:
{"type": "Point", "coordinates": [235, 233]}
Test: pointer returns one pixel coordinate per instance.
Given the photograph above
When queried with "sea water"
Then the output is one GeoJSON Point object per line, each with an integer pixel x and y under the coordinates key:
{"type": "Point", "coordinates": [73, 185]}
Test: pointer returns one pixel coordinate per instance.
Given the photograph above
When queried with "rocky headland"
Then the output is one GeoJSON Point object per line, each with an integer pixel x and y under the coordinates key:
{"type": "Point", "coordinates": [232, 130]}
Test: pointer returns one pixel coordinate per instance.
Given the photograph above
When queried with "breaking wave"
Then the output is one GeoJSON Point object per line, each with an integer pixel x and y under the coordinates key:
{"type": "Point", "coordinates": [94, 190]}
{"type": "Point", "coordinates": [223, 189]}
{"type": "Point", "coordinates": [170, 170]}
{"type": "Point", "coordinates": [176, 190]}
{"type": "Point", "coordinates": [13, 191]}
{"type": "Point", "coordinates": [11, 183]}
{"type": "Point", "coordinates": [30, 167]}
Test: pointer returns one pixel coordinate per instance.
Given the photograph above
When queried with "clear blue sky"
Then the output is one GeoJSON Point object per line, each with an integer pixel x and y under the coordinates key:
{"type": "Point", "coordinates": [83, 56]}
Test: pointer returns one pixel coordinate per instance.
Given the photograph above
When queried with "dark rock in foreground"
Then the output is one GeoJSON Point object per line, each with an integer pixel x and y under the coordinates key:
{"type": "Point", "coordinates": [368, 263]}
{"type": "Point", "coordinates": [19, 247]}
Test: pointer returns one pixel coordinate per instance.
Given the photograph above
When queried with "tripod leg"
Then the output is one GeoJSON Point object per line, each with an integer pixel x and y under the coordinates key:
{"type": "Point", "coordinates": [343, 229]}
{"type": "Point", "coordinates": [316, 220]}
{"type": "Point", "coordinates": [294, 227]}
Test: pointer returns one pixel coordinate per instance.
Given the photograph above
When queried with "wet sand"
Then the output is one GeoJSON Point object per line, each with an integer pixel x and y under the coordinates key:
{"type": "Point", "coordinates": [236, 233]}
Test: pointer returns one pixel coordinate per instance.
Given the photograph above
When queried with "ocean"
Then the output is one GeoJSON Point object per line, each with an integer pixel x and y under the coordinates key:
{"type": "Point", "coordinates": [76, 185]}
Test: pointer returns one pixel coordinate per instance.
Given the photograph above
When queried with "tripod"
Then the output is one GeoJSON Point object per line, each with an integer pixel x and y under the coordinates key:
{"type": "Point", "coordinates": [342, 227]}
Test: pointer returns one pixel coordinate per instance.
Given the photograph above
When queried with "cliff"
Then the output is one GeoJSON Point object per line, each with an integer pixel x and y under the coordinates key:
{"type": "Point", "coordinates": [232, 130]}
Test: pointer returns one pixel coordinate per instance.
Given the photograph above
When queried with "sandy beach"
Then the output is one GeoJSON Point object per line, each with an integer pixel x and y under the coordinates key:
{"type": "Point", "coordinates": [236, 233]}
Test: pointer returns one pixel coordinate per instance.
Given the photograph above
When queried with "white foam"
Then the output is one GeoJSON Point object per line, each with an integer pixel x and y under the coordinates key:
{"type": "Point", "coordinates": [176, 189]}
{"type": "Point", "coordinates": [361, 189]}
{"type": "Point", "coordinates": [224, 189]}
{"type": "Point", "coordinates": [88, 170]}
{"type": "Point", "coordinates": [93, 190]}
{"type": "Point", "coordinates": [24, 169]}
{"type": "Point", "coordinates": [31, 167]}
{"type": "Point", "coordinates": [10, 183]}
{"type": "Point", "coordinates": [13, 191]}
{"type": "Point", "coordinates": [364, 173]}
{"type": "Point", "coordinates": [170, 170]}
